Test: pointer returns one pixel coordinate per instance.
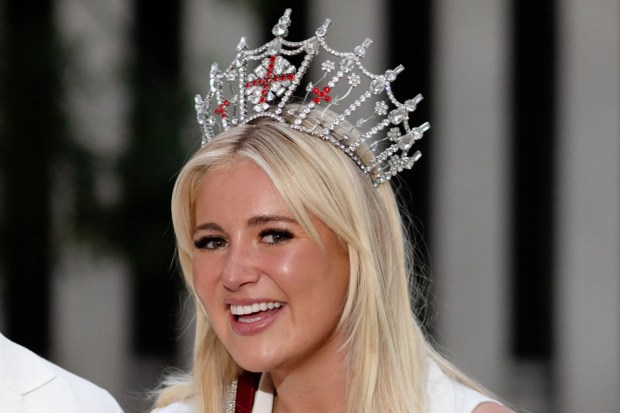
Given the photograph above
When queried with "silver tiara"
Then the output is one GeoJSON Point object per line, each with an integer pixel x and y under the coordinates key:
{"type": "Point", "coordinates": [236, 96]}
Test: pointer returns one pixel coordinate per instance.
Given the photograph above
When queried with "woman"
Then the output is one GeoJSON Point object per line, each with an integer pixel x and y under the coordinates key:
{"type": "Point", "coordinates": [291, 242]}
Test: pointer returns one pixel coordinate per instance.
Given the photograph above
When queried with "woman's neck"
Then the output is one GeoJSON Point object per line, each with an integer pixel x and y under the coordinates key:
{"type": "Point", "coordinates": [318, 384]}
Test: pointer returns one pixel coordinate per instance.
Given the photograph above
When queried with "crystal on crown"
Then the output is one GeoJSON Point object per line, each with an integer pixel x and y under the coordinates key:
{"type": "Point", "coordinates": [237, 95]}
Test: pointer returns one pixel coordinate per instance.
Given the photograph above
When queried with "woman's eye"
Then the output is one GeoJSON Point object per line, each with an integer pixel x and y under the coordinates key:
{"type": "Point", "coordinates": [275, 236]}
{"type": "Point", "coordinates": [210, 243]}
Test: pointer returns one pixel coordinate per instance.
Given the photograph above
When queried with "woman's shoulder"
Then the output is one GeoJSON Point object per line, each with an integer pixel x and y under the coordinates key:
{"type": "Point", "coordinates": [185, 406]}
{"type": "Point", "coordinates": [446, 395]}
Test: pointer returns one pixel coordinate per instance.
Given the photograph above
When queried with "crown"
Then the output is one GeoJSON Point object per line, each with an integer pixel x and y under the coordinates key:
{"type": "Point", "coordinates": [238, 95]}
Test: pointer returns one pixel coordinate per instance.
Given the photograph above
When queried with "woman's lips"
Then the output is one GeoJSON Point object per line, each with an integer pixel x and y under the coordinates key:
{"type": "Point", "coordinates": [253, 318]}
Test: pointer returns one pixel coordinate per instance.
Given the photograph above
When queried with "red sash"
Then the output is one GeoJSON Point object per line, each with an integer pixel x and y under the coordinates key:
{"type": "Point", "coordinates": [247, 384]}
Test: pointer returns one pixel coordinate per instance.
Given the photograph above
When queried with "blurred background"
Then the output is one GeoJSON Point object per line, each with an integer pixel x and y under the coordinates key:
{"type": "Point", "coordinates": [516, 198]}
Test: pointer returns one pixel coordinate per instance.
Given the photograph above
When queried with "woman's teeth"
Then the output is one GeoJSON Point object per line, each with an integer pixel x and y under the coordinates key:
{"type": "Point", "coordinates": [241, 310]}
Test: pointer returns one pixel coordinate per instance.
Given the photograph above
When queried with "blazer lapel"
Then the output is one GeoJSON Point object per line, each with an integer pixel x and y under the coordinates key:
{"type": "Point", "coordinates": [28, 384]}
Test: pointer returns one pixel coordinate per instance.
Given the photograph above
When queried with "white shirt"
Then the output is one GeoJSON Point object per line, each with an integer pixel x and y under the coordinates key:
{"type": "Point", "coordinates": [444, 395]}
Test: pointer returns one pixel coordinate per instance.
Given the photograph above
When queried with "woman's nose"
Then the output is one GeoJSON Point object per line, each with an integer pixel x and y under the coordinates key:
{"type": "Point", "coordinates": [239, 268]}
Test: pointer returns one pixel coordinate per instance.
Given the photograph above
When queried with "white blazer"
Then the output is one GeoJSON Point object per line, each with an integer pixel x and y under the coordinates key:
{"type": "Point", "coordinates": [31, 384]}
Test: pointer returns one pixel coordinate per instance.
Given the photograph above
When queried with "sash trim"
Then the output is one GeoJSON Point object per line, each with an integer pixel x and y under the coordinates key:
{"type": "Point", "coordinates": [247, 384]}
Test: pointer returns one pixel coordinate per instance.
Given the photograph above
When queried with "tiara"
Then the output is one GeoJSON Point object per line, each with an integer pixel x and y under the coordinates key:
{"type": "Point", "coordinates": [237, 96]}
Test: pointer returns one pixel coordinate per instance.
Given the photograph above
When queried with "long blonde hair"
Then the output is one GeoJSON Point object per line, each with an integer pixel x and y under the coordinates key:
{"type": "Point", "coordinates": [386, 351]}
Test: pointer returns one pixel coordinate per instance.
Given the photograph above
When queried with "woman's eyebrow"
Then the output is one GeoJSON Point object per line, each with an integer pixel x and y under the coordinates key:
{"type": "Point", "coordinates": [264, 219]}
{"type": "Point", "coordinates": [208, 226]}
{"type": "Point", "coordinates": [254, 221]}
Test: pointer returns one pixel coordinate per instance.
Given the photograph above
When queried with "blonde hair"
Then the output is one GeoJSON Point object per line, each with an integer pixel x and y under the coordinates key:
{"type": "Point", "coordinates": [385, 346]}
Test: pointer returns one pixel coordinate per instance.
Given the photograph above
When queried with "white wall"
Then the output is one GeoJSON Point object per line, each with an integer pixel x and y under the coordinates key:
{"type": "Point", "coordinates": [470, 184]}
{"type": "Point", "coordinates": [588, 307]}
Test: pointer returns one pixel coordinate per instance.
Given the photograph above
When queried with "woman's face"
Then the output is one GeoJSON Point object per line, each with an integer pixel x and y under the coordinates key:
{"type": "Point", "coordinates": [273, 296]}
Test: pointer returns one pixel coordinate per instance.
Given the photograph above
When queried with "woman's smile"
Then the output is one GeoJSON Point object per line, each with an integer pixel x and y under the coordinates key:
{"type": "Point", "coordinates": [254, 318]}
